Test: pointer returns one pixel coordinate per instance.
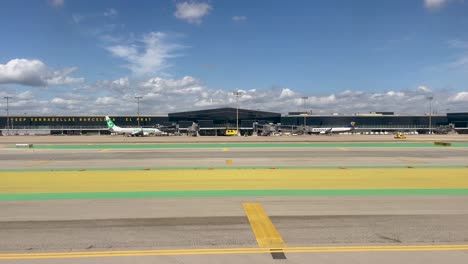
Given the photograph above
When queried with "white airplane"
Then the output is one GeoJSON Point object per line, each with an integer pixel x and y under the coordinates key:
{"type": "Point", "coordinates": [332, 130]}
{"type": "Point", "coordinates": [131, 131]}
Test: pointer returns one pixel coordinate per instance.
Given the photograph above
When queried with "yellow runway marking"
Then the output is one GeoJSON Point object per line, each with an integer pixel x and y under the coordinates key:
{"type": "Point", "coordinates": [230, 251]}
{"type": "Point", "coordinates": [265, 232]}
{"type": "Point", "coordinates": [258, 179]}
{"type": "Point", "coordinates": [229, 162]}
{"type": "Point", "coordinates": [225, 149]}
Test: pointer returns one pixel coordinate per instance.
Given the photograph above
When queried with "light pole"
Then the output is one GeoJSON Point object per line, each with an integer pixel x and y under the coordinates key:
{"type": "Point", "coordinates": [8, 114]}
{"type": "Point", "coordinates": [237, 95]}
{"type": "Point", "coordinates": [138, 97]}
{"type": "Point", "coordinates": [430, 98]}
{"type": "Point", "coordinates": [304, 99]}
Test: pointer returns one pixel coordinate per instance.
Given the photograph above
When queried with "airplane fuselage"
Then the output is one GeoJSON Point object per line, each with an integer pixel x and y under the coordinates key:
{"type": "Point", "coordinates": [135, 131]}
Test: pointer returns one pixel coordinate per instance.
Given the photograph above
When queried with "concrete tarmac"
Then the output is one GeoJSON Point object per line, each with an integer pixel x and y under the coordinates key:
{"type": "Point", "coordinates": [158, 158]}
{"type": "Point", "coordinates": [210, 223]}
{"type": "Point", "coordinates": [107, 139]}
{"type": "Point", "coordinates": [220, 222]}
{"type": "Point", "coordinates": [427, 257]}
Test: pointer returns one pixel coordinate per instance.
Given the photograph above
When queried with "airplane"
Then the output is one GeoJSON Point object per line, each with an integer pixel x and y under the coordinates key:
{"type": "Point", "coordinates": [331, 130]}
{"type": "Point", "coordinates": [131, 131]}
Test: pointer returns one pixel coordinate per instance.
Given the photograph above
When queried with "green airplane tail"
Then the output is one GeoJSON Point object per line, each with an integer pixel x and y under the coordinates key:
{"type": "Point", "coordinates": [110, 124]}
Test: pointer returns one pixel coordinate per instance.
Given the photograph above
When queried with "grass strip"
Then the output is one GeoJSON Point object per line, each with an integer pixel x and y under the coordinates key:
{"type": "Point", "coordinates": [226, 193]}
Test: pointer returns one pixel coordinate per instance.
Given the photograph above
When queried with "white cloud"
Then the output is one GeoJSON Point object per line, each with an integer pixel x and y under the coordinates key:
{"type": "Point", "coordinates": [424, 89]}
{"type": "Point", "coordinates": [239, 18]}
{"type": "Point", "coordinates": [147, 55]}
{"type": "Point", "coordinates": [35, 73]}
{"type": "Point", "coordinates": [121, 82]}
{"type": "Point", "coordinates": [459, 97]}
{"type": "Point", "coordinates": [23, 71]}
{"type": "Point", "coordinates": [121, 85]}
{"type": "Point", "coordinates": [165, 95]}
{"type": "Point", "coordinates": [286, 92]}
{"type": "Point", "coordinates": [26, 95]}
{"type": "Point", "coordinates": [56, 3]}
{"type": "Point", "coordinates": [434, 4]}
{"type": "Point", "coordinates": [63, 77]}
{"type": "Point", "coordinates": [192, 12]}
{"type": "Point", "coordinates": [397, 94]}
{"type": "Point", "coordinates": [186, 85]}
{"type": "Point", "coordinates": [106, 100]}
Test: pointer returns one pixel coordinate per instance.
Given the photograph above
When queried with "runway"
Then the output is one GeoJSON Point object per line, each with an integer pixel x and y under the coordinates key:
{"type": "Point", "coordinates": [328, 204]}
{"type": "Point", "coordinates": [219, 157]}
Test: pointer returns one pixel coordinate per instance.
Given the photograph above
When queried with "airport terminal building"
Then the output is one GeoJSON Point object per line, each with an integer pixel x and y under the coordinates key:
{"type": "Point", "coordinates": [216, 121]}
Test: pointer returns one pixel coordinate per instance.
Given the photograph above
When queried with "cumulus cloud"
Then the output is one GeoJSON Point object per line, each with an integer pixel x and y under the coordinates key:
{"type": "Point", "coordinates": [424, 89]}
{"type": "Point", "coordinates": [147, 55]}
{"type": "Point", "coordinates": [186, 85]}
{"type": "Point", "coordinates": [66, 104]}
{"type": "Point", "coordinates": [435, 4]}
{"type": "Point", "coordinates": [459, 97]}
{"type": "Point", "coordinates": [192, 12]}
{"type": "Point", "coordinates": [286, 92]}
{"type": "Point", "coordinates": [56, 3]}
{"type": "Point", "coordinates": [121, 85]}
{"type": "Point", "coordinates": [35, 73]}
{"type": "Point", "coordinates": [165, 95]}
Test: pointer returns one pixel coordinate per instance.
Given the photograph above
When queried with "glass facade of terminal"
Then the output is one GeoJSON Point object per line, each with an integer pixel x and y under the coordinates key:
{"type": "Point", "coordinates": [377, 121]}
{"type": "Point", "coordinates": [31, 122]}
{"type": "Point", "coordinates": [224, 117]}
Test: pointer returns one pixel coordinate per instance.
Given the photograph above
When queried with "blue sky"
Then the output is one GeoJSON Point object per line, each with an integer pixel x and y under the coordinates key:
{"type": "Point", "coordinates": [61, 55]}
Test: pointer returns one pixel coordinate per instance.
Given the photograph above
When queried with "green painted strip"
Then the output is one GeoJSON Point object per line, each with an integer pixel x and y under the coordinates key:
{"type": "Point", "coordinates": [244, 168]}
{"type": "Point", "coordinates": [226, 193]}
{"type": "Point", "coordinates": [249, 145]}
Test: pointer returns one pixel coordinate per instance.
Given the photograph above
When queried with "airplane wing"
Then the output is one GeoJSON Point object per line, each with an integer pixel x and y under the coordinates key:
{"type": "Point", "coordinates": [328, 131]}
{"type": "Point", "coordinates": [137, 132]}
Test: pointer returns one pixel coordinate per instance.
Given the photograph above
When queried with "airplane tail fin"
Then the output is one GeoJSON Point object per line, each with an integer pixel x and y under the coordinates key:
{"type": "Point", "coordinates": [352, 124]}
{"type": "Point", "coordinates": [109, 122]}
